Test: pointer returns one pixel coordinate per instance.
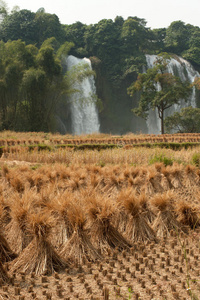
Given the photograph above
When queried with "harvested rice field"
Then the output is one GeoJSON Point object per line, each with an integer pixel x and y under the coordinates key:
{"type": "Point", "coordinates": [97, 217]}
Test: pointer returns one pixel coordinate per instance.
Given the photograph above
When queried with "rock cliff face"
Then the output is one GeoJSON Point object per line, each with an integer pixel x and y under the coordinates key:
{"type": "Point", "coordinates": [116, 116]}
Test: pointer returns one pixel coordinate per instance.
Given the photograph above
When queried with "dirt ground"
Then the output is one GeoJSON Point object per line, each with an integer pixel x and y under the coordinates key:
{"type": "Point", "coordinates": [169, 269]}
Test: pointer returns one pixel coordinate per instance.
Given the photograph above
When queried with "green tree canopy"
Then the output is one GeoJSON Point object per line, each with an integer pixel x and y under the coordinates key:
{"type": "Point", "coordinates": [30, 27]}
{"type": "Point", "coordinates": [32, 81]}
{"type": "Point", "coordinates": [134, 35]}
{"type": "Point", "coordinates": [187, 120]}
{"type": "Point", "coordinates": [159, 90]}
{"type": "Point", "coordinates": [177, 37]}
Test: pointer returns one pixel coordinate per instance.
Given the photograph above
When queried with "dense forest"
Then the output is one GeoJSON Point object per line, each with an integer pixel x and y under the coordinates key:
{"type": "Point", "coordinates": [34, 82]}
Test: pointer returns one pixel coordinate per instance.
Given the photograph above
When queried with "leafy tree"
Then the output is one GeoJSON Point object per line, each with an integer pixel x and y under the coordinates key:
{"type": "Point", "coordinates": [48, 25]}
{"type": "Point", "coordinates": [187, 120]}
{"type": "Point", "coordinates": [192, 55]}
{"type": "Point", "coordinates": [34, 85]}
{"type": "Point", "coordinates": [134, 35]}
{"type": "Point", "coordinates": [159, 90]}
{"type": "Point", "coordinates": [19, 25]}
{"type": "Point", "coordinates": [32, 82]}
{"type": "Point", "coordinates": [159, 35]}
{"type": "Point", "coordinates": [75, 33]}
{"type": "Point", "coordinates": [43, 86]}
{"type": "Point", "coordinates": [177, 37]}
{"type": "Point", "coordinates": [103, 41]}
{"type": "Point", "coordinates": [13, 63]}
{"type": "Point", "coordinates": [32, 28]}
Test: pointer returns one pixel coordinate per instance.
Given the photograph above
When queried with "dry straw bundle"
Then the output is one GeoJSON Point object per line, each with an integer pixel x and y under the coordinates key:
{"type": "Point", "coordinates": [166, 218]}
{"type": "Point", "coordinates": [6, 254]}
{"type": "Point", "coordinates": [16, 231]}
{"type": "Point", "coordinates": [153, 182]}
{"type": "Point", "coordinates": [78, 247]}
{"type": "Point", "coordinates": [5, 210]}
{"type": "Point", "coordinates": [174, 174]}
{"type": "Point", "coordinates": [3, 274]}
{"type": "Point", "coordinates": [192, 176]}
{"type": "Point", "coordinates": [137, 228]}
{"type": "Point", "coordinates": [187, 214]}
{"type": "Point", "coordinates": [39, 256]}
{"type": "Point", "coordinates": [103, 234]}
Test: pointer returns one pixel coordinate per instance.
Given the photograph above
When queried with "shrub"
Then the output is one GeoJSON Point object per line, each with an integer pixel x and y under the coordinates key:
{"type": "Point", "coordinates": [161, 158]}
{"type": "Point", "coordinates": [196, 159]}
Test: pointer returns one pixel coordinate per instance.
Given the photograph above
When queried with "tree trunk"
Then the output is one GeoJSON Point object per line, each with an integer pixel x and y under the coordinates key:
{"type": "Point", "coordinates": [162, 122]}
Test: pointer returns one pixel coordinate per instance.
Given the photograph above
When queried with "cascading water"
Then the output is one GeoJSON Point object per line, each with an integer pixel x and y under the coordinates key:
{"type": "Point", "coordinates": [83, 109]}
{"type": "Point", "coordinates": [179, 67]}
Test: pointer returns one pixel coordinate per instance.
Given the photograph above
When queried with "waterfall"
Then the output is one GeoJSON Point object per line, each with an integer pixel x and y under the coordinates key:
{"type": "Point", "coordinates": [83, 109]}
{"type": "Point", "coordinates": [179, 67]}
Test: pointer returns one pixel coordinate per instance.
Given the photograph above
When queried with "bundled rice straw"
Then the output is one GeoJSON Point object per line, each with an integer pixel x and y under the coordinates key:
{"type": "Point", "coordinates": [103, 233]}
{"type": "Point", "coordinates": [63, 228]}
{"type": "Point", "coordinates": [166, 218]}
{"type": "Point", "coordinates": [192, 179]}
{"type": "Point", "coordinates": [4, 213]}
{"type": "Point", "coordinates": [146, 210]}
{"type": "Point", "coordinates": [3, 274]}
{"type": "Point", "coordinates": [153, 182]}
{"type": "Point", "coordinates": [17, 233]}
{"type": "Point", "coordinates": [39, 256]}
{"type": "Point", "coordinates": [187, 215]}
{"type": "Point", "coordinates": [78, 247]}
{"type": "Point", "coordinates": [120, 217]}
{"type": "Point", "coordinates": [6, 254]}
{"type": "Point", "coordinates": [137, 228]}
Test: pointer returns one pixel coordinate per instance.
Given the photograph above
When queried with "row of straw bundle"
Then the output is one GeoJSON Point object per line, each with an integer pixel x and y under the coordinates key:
{"type": "Point", "coordinates": [151, 180]}
{"type": "Point", "coordinates": [90, 226]}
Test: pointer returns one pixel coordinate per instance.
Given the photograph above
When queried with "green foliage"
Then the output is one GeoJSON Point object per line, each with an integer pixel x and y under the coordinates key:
{"type": "Point", "coordinates": [161, 158]}
{"type": "Point", "coordinates": [75, 34]}
{"type": "Point", "coordinates": [196, 159]}
{"type": "Point", "coordinates": [40, 147]}
{"type": "Point", "coordinates": [192, 55]}
{"type": "Point", "coordinates": [177, 37]}
{"type": "Point", "coordinates": [159, 35]}
{"type": "Point", "coordinates": [33, 28]}
{"type": "Point", "coordinates": [32, 83]}
{"type": "Point", "coordinates": [134, 35]}
{"type": "Point", "coordinates": [97, 147]}
{"type": "Point", "coordinates": [187, 120]}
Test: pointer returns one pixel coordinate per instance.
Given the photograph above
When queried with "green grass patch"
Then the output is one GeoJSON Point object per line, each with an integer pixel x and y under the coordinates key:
{"type": "Point", "coordinates": [40, 147]}
{"type": "Point", "coordinates": [162, 159]}
{"type": "Point", "coordinates": [196, 159]}
{"type": "Point", "coordinates": [165, 145]}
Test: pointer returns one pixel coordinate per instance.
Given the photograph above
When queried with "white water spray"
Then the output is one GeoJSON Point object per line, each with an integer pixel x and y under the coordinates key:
{"type": "Point", "coordinates": [83, 109]}
{"type": "Point", "coordinates": [179, 67]}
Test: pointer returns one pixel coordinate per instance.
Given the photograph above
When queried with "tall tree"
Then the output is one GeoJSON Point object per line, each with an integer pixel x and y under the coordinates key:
{"type": "Point", "coordinates": [177, 37]}
{"type": "Point", "coordinates": [32, 82]}
{"type": "Point", "coordinates": [159, 90]}
{"type": "Point", "coordinates": [134, 35]}
{"type": "Point", "coordinates": [19, 25]}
